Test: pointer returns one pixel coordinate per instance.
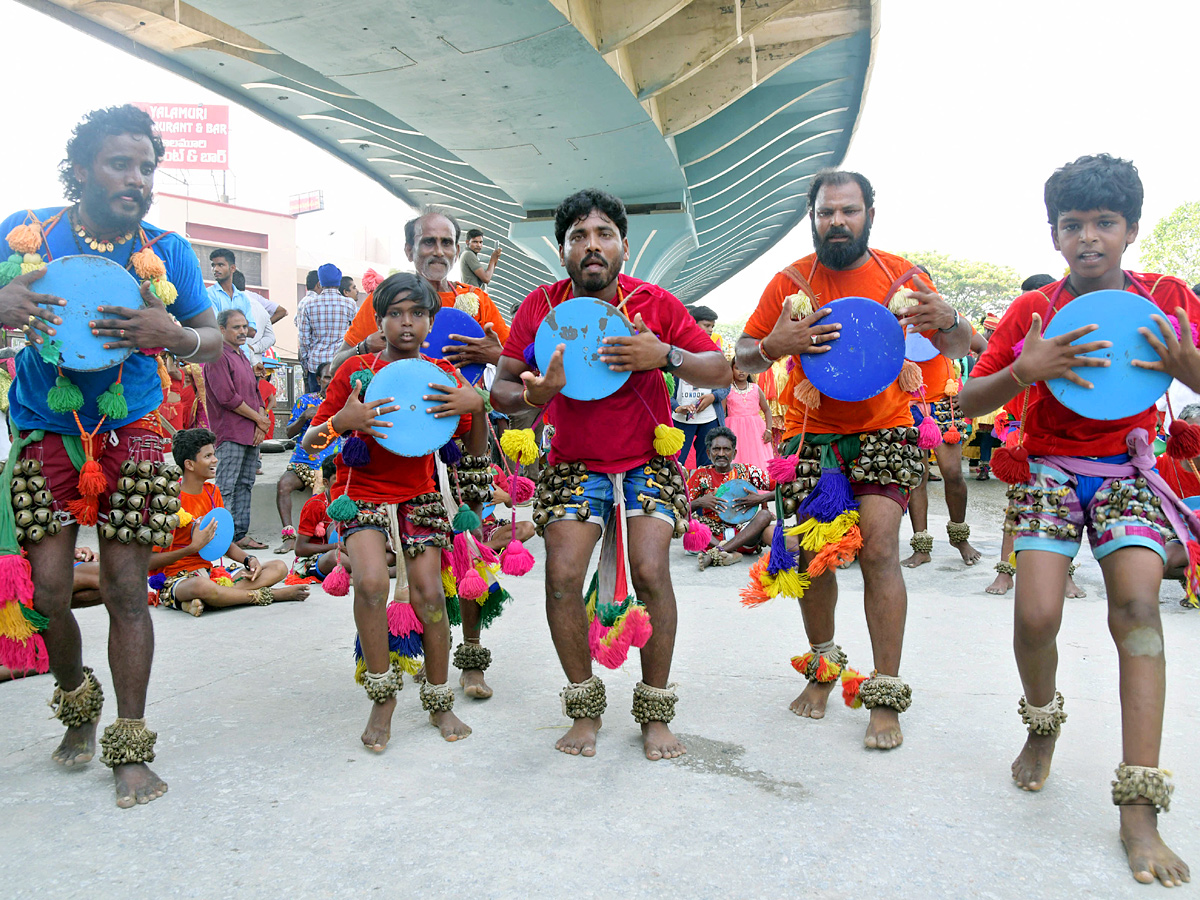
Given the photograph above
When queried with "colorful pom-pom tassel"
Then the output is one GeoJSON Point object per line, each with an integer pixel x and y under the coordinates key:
{"type": "Point", "coordinates": [16, 579]}
{"type": "Point", "coordinates": [92, 482]}
{"type": "Point", "coordinates": [806, 394]}
{"type": "Point", "coordinates": [355, 452]}
{"type": "Point", "coordinates": [185, 518]}
{"type": "Point", "coordinates": [147, 265]}
{"type": "Point", "coordinates": [471, 586]}
{"type": "Point", "coordinates": [852, 680]}
{"type": "Point", "coordinates": [669, 379]}
{"type": "Point", "coordinates": [112, 403]}
{"type": "Point", "coordinates": [697, 538]}
{"type": "Point", "coordinates": [668, 441]}
{"type": "Point", "coordinates": [86, 510]}
{"type": "Point", "coordinates": [801, 304]}
{"type": "Point", "coordinates": [516, 559]}
{"type": "Point", "coordinates": [781, 557]}
{"type": "Point", "coordinates": [157, 580]}
{"type": "Point", "coordinates": [520, 445]}
{"type": "Point", "coordinates": [361, 378]}
{"type": "Point", "coordinates": [952, 435]}
{"type": "Point", "coordinates": [1011, 465]}
{"type": "Point", "coordinates": [928, 433]}
{"type": "Point", "coordinates": [450, 452]}
{"type": "Point", "coordinates": [1183, 440]}
{"type": "Point", "coordinates": [830, 497]}
{"type": "Point", "coordinates": [10, 269]}
{"type": "Point", "coordinates": [520, 489]}
{"type": "Point", "coordinates": [530, 356]}
{"type": "Point", "coordinates": [337, 582]}
{"type": "Point", "coordinates": [24, 656]}
{"type": "Point", "coordinates": [343, 509]}
{"type": "Point", "coordinates": [65, 396]}
{"type": "Point", "coordinates": [910, 379]}
{"type": "Point", "coordinates": [164, 290]}
{"type": "Point", "coordinates": [465, 519]}
{"type": "Point", "coordinates": [952, 387]}
{"type": "Point", "coordinates": [782, 469]}
{"type": "Point", "coordinates": [25, 238]}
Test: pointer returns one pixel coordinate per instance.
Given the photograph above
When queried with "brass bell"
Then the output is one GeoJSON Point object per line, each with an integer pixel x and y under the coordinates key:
{"type": "Point", "coordinates": [108, 531]}
{"type": "Point", "coordinates": [23, 500]}
{"type": "Point", "coordinates": [158, 521]}
{"type": "Point", "coordinates": [135, 501]}
{"type": "Point", "coordinates": [42, 516]}
{"type": "Point", "coordinates": [117, 517]}
{"type": "Point", "coordinates": [142, 486]}
{"type": "Point", "coordinates": [857, 473]}
{"type": "Point", "coordinates": [1052, 531]}
{"type": "Point", "coordinates": [666, 492]}
{"type": "Point", "coordinates": [24, 518]}
{"type": "Point", "coordinates": [885, 477]}
{"type": "Point", "coordinates": [173, 505]}
{"type": "Point", "coordinates": [145, 469]}
{"type": "Point", "coordinates": [116, 500]}
{"type": "Point", "coordinates": [124, 534]}
{"type": "Point", "coordinates": [37, 482]}
{"type": "Point", "coordinates": [31, 466]}
{"type": "Point", "coordinates": [160, 538]}
{"type": "Point", "coordinates": [53, 527]}
{"type": "Point", "coordinates": [584, 512]}
{"type": "Point", "coordinates": [558, 511]}
{"type": "Point", "coordinates": [20, 533]}
{"type": "Point", "coordinates": [35, 533]}
{"type": "Point", "coordinates": [125, 484]}
{"type": "Point", "coordinates": [172, 523]}
{"type": "Point", "coordinates": [540, 517]}
{"type": "Point", "coordinates": [144, 536]}
{"type": "Point", "coordinates": [648, 505]}
{"type": "Point", "coordinates": [19, 484]}
{"type": "Point", "coordinates": [173, 488]}
{"type": "Point", "coordinates": [129, 467]}
{"type": "Point", "coordinates": [42, 498]}
{"type": "Point", "coordinates": [789, 507]}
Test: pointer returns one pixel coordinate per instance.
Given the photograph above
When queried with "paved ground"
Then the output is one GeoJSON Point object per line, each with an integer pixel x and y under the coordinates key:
{"type": "Point", "coordinates": [272, 795]}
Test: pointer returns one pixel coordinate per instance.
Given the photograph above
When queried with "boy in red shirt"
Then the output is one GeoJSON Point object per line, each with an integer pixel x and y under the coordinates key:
{"type": "Point", "coordinates": [189, 584]}
{"type": "Point", "coordinates": [315, 554]}
{"type": "Point", "coordinates": [1082, 476]}
{"type": "Point", "coordinates": [399, 495]}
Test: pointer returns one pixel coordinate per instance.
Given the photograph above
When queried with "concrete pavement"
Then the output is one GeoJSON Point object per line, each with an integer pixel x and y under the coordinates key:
{"type": "Point", "coordinates": [272, 795]}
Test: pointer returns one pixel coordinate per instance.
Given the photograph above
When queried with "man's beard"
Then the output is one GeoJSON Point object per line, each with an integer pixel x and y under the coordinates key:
{"type": "Point", "coordinates": [98, 206]}
{"type": "Point", "coordinates": [593, 282]}
{"type": "Point", "coordinates": [841, 255]}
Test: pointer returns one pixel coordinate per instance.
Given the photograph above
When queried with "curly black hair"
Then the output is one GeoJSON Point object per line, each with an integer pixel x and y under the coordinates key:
{"type": "Point", "coordinates": [580, 205]}
{"type": "Point", "coordinates": [838, 177]}
{"type": "Point", "coordinates": [1095, 182]}
{"type": "Point", "coordinates": [189, 442]}
{"type": "Point", "coordinates": [90, 134]}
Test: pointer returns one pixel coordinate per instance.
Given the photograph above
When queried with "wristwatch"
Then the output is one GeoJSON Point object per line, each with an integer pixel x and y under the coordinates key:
{"type": "Point", "coordinates": [957, 317]}
{"type": "Point", "coordinates": [674, 358]}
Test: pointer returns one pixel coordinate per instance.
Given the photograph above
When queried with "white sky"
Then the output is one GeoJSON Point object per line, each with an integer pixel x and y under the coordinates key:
{"type": "Point", "coordinates": [971, 106]}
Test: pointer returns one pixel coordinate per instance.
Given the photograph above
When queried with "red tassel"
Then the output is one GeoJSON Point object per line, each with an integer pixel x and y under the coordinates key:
{"type": "Point", "coordinates": [952, 435]}
{"type": "Point", "coordinates": [1184, 440]}
{"type": "Point", "coordinates": [86, 510]}
{"type": "Point", "coordinates": [91, 480]}
{"type": "Point", "coordinates": [1011, 465]}
{"type": "Point", "coordinates": [852, 680]}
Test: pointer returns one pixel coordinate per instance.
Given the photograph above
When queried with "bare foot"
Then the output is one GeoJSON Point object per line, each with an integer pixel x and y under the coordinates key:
{"type": "Point", "coordinates": [1149, 857]}
{"type": "Point", "coordinates": [78, 746]}
{"type": "Point", "coordinates": [379, 726]}
{"type": "Point", "coordinates": [969, 554]}
{"type": "Point", "coordinates": [249, 543]}
{"type": "Point", "coordinates": [580, 739]}
{"type": "Point", "coordinates": [473, 685]}
{"type": "Point", "coordinates": [917, 559]}
{"type": "Point", "coordinates": [1001, 586]}
{"type": "Point", "coordinates": [1031, 768]}
{"type": "Point", "coordinates": [883, 731]}
{"type": "Point", "coordinates": [137, 785]}
{"type": "Point", "coordinates": [450, 725]}
{"type": "Point", "coordinates": [288, 545]}
{"type": "Point", "coordinates": [660, 743]}
{"type": "Point", "coordinates": [1074, 591]}
{"type": "Point", "coordinates": [812, 700]}
{"type": "Point", "coordinates": [290, 592]}
{"type": "Point", "coordinates": [192, 607]}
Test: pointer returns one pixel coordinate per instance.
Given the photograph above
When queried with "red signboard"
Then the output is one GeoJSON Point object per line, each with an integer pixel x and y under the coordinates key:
{"type": "Point", "coordinates": [196, 136]}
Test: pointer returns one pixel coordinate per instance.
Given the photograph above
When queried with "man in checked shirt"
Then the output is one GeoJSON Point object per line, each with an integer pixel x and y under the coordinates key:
{"type": "Point", "coordinates": [324, 319]}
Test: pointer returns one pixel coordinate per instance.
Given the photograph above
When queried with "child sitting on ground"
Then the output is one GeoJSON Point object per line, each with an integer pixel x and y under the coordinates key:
{"type": "Point", "coordinates": [184, 579]}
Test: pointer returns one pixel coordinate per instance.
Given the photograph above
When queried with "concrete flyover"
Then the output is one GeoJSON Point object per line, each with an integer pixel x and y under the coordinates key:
{"type": "Point", "coordinates": [708, 117]}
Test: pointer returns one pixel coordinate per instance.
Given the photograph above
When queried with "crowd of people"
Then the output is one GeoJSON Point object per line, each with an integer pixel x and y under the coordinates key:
{"type": "Point", "coordinates": [727, 444]}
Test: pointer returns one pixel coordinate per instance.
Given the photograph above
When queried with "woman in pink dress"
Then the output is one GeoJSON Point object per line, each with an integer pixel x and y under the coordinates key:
{"type": "Point", "coordinates": [748, 416]}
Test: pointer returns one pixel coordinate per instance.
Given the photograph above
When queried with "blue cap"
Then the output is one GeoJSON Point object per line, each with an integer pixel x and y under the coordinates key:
{"type": "Point", "coordinates": [329, 275]}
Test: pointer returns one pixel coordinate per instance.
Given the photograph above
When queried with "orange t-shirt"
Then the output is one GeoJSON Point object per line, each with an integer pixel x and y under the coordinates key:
{"type": "Point", "coordinates": [196, 504]}
{"type": "Point", "coordinates": [886, 410]}
{"type": "Point", "coordinates": [935, 373]}
{"type": "Point", "coordinates": [364, 324]}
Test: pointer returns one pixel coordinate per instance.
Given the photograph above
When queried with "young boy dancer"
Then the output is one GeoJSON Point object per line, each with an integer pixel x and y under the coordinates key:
{"type": "Point", "coordinates": [396, 494]}
{"type": "Point", "coordinates": [1081, 476]}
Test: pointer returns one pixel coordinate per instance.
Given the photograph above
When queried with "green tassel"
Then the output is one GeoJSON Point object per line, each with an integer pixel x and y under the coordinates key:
{"type": "Point", "coordinates": [670, 379]}
{"type": "Point", "coordinates": [362, 376]}
{"type": "Point", "coordinates": [343, 509]}
{"type": "Point", "coordinates": [493, 606]}
{"type": "Point", "coordinates": [465, 519]}
{"type": "Point", "coordinates": [10, 268]}
{"type": "Point", "coordinates": [453, 611]}
{"type": "Point", "coordinates": [64, 397]}
{"type": "Point", "coordinates": [35, 619]}
{"type": "Point", "coordinates": [112, 402]}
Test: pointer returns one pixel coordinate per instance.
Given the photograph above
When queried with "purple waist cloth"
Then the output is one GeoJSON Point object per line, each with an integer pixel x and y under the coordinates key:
{"type": "Point", "coordinates": [1141, 462]}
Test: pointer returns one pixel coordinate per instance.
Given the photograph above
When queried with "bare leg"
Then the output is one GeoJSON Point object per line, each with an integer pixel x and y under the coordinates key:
{"type": "Point", "coordinates": [918, 511]}
{"type": "Point", "coordinates": [817, 608]}
{"type": "Point", "coordinates": [1132, 577]}
{"type": "Point", "coordinates": [196, 593]}
{"type": "Point", "coordinates": [568, 548]}
{"type": "Point", "coordinates": [1003, 583]}
{"type": "Point", "coordinates": [370, 618]}
{"type": "Point", "coordinates": [751, 533]}
{"type": "Point", "coordinates": [1036, 620]}
{"type": "Point", "coordinates": [123, 570]}
{"type": "Point", "coordinates": [950, 462]}
{"type": "Point", "coordinates": [85, 586]}
{"type": "Point", "coordinates": [289, 483]}
{"type": "Point", "coordinates": [649, 547]}
{"type": "Point", "coordinates": [885, 601]}
{"type": "Point", "coordinates": [471, 680]}
{"type": "Point", "coordinates": [500, 540]}
{"type": "Point", "coordinates": [428, 602]}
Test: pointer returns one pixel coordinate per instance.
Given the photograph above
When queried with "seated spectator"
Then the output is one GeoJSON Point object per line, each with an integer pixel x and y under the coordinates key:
{"type": "Point", "coordinates": [703, 484]}
{"type": "Point", "coordinates": [302, 468]}
{"type": "Point", "coordinates": [191, 583]}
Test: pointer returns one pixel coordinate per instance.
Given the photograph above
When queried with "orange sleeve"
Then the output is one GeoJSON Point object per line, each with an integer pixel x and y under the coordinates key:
{"type": "Point", "coordinates": [766, 314]}
{"type": "Point", "coordinates": [489, 313]}
{"type": "Point", "coordinates": [363, 325]}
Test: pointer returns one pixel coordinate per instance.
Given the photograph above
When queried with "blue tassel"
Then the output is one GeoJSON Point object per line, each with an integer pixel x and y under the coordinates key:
{"type": "Point", "coordinates": [355, 452]}
{"type": "Point", "coordinates": [450, 453]}
{"type": "Point", "coordinates": [831, 497]}
{"type": "Point", "coordinates": [357, 649]}
{"type": "Point", "coordinates": [406, 645]}
{"type": "Point", "coordinates": [530, 357]}
{"type": "Point", "coordinates": [157, 581]}
{"type": "Point", "coordinates": [781, 558]}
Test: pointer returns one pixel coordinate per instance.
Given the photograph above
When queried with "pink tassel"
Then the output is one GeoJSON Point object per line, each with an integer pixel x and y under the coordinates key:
{"type": "Point", "coordinates": [460, 557]}
{"type": "Point", "coordinates": [319, 531]}
{"type": "Point", "coordinates": [520, 489]}
{"type": "Point", "coordinates": [500, 479]}
{"type": "Point", "coordinates": [402, 619]}
{"type": "Point", "coordinates": [782, 469]}
{"type": "Point", "coordinates": [698, 536]}
{"type": "Point", "coordinates": [16, 579]}
{"type": "Point", "coordinates": [596, 631]}
{"type": "Point", "coordinates": [928, 433]}
{"type": "Point", "coordinates": [471, 586]}
{"type": "Point", "coordinates": [612, 655]}
{"type": "Point", "coordinates": [486, 553]}
{"type": "Point", "coordinates": [337, 582]}
{"type": "Point", "coordinates": [516, 559]}
{"type": "Point", "coordinates": [637, 625]}
{"type": "Point", "coordinates": [24, 656]}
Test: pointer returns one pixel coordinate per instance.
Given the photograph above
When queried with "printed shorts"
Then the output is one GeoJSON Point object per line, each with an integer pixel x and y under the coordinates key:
{"type": "Point", "coordinates": [422, 522]}
{"type": "Point", "coordinates": [654, 489]}
{"type": "Point", "coordinates": [1052, 512]}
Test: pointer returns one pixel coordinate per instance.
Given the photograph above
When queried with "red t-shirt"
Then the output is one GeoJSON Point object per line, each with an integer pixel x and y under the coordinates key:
{"type": "Point", "coordinates": [313, 515]}
{"type": "Point", "coordinates": [706, 480]}
{"type": "Point", "coordinates": [266, 390]}
{"type": "Point", "coordinates": [196, 504]}
{"type": "Point", "coordinates": [387, 478]}
{"type": "Point", "coordinates": [1051, 428]}
{"type": "Point", "coordinates": [872, 279]}
{"type": "Point", "coordinates": [1180, 475]}
{"type": "Point", "coordinates": [615, 433]}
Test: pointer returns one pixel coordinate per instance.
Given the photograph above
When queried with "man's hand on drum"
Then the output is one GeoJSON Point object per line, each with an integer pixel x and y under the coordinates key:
{"type": "Point", "coordinates": [930, 312]}
{"type": "Point", "coordinates": [150, 326]}
{"type": "Point", "coordinates": [23, 307]}
{"type": "Point", "coordinates": [792, 336]}
{"type": "Point", "coordinates": [710, 502]}
{"type": "Point", "coordinates": [638, 352]}
{"type": "Point", "coordinates": [749, 502]}
{"type": "Point", "coordinates": [364, 417]}
{"type": "Point", "coordinates": [541, 389]}
{"type": "Point", "coordinates": [460, 400]}
{"type": "Point", "coordinates": [481, 350]}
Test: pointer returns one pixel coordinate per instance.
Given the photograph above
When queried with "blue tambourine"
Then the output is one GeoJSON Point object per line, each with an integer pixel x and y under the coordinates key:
{"type": "Point", "coordinates": [919, 348]}
{"type": "Point", "coordinates": [219, 545]}
{"type": "Point", "coordinates": [450, 321]}
{"type": "Point", "coordinates": [865, 359]}
{"type": "Point", "coordinates": [414, 431]}
{"type": "Point", "coordinates": [1120, 390]}
{"type": "Point", "coordinates": [731, 491]}
{"type": "Point", "coordinates": [87, 282]}
{"type": "Point", "coordinates": [581, 324]}
{"type": "Point", "coordinates": [1192, 503]}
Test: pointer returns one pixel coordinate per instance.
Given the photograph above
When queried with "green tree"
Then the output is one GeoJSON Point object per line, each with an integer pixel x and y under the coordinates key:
{"type": "Point", "coordinates": [972, 286]}
{"type": "Point", "coordinates": [1173, 248]}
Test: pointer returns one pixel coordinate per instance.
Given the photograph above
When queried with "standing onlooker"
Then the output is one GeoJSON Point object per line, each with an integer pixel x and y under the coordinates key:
{"type": "Point", "coordinates": [311, 282]}
{"type": "Point", "coordinates": [236, 415]}
{"type": "Point", "coordinates": [225, 294]}
{"type": "Point", "coordinates": [474, 272]}
{"type": "Point", "coordinates": [349, 289]}
{"type": "Point", "coordinates": [263, 337]}
{"type": "Point", "coordinates": [323, 321]}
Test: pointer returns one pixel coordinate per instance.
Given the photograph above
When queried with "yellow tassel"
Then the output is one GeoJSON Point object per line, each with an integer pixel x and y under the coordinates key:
{"type": "Point", "coordinates": [815, 534]}
{"type": "Point", "coordinates": [1012, 558]}
{"type": "Point", "coordinates": [360, 669]}
{"type": "Point", "coordinates": [13, 623]}
{"type": "Point", "coordinates": [801, 305]}
{"type": "Point", "coordinates": [668, 441]}
{"type": "Point", "coordinates": [406, 663]}
{"type": "Point", "coordinates": [952, 387]}
{"type": "Point", "coordinates": [520, 445]}
{"type": "Point", "coordinates": [790, 583]}
{"type": "Point", "coordinates": [227, 582]}
{"type": "Point", "coordinates": [827, 671]}
{"type": "Point", "coordinates": [449, 585]}
{"type": "Point", "coordinates": [185, 518]}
